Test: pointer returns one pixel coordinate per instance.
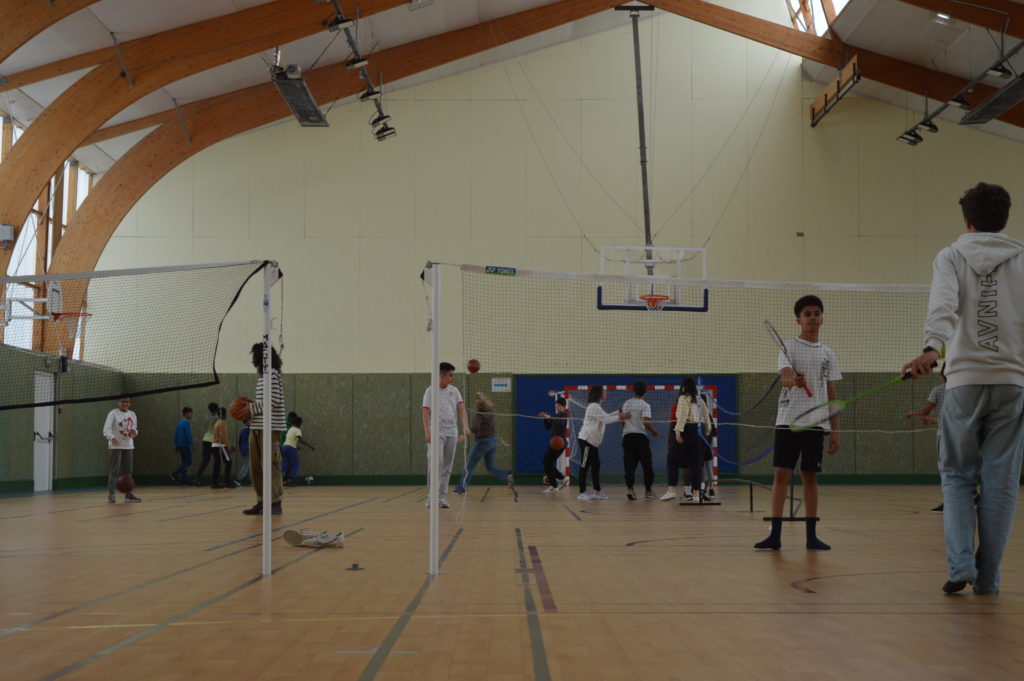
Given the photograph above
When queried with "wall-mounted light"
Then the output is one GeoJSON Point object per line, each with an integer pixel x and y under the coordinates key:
{"type": "Point", "coordinates": [910, 137]}
{"type": "Point", "coordinates": [999, 71]}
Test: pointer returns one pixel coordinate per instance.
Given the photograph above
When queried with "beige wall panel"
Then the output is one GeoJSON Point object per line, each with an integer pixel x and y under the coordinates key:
{"type": "Point", "coordinates": [555, 253]}
{"type": "Point", "coordinates": [445, 89]}
{"type": "Point", "coordinates": [610, 191]}
{"type": "Point", "coordinates": [165, 251]}
{"type": "Point", "coordinates": [998, 160]}
{"type": "Point", "coordinates": [221, 179]}
{"type": "Point", "coordinates": [729, 257]}
{"type": "Point", "coordinates": [670, 141]}
{"type": "Point", "coordinates": [121, 252]}
{"type": "Point", "coordinates": [277, 180]}
{"type": "Point", "coordinates": [719, 68]}
{"type": "Point", "coordinates": [885, 259]}
{"type": "Point", "coordinates": [940, 178]}
{"type": "Point", "coordinates": [130, 224]}
{"type": "Point", "coordinates": [720, 160]}
{"type": "Point", "coordinates": [608, 71]}
{"type": "Point", "coordinates": [885, 180]}
{"type": "Point", "coordinates": [830, 258]}
{"type": "Point", "coordinates": [387, 206]}
{"type": "Point", "coordinates": [443, 172]}
{"type": "Point", "coordinates": [169, 211]}
{"type": "Point", "coordinates": [502, 81]}
{"type": "Point", "coordinates": [830, 173]}
{"type": "Point", "coordinates": [554, 173]}
{"type": "Point", "coordinates": [673, 68]}
{"type": "Point", "coordinates": [925, 250]}
{"type": "Point", "coordinates": [774, 258]}
{"type": "Point", "coordinates": [775, 177]}
{"type": "Point", "coordinates": [332, 174]}
{"type": "Point", "coordinates": [498, 136]}
{"type": "Point", "coordinates": [554, 73]}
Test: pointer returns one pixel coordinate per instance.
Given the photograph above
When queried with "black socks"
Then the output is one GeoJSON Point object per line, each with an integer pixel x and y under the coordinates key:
{"type": "Point", "coordinates": [812, 536]}
{"type": "Point", "coordinates": [774, 540]}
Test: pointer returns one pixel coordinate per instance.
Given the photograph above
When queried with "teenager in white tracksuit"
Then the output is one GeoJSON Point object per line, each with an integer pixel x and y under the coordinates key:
{"type": "Point", "coordinates": [976, 318]}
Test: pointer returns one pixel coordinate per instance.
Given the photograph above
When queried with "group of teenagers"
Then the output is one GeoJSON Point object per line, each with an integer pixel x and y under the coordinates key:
{"type": "Point", "coordinates": [217, 446]}
{"type": "Point", "coordinates": [689, 444]}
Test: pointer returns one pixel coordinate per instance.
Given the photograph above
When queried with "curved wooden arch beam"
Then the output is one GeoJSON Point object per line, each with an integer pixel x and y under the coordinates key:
{"type": "Point", "coordinates": [22, 20]}
{"type": "Point", "coordinates": [218, 118]}
{"type": "Point", "coordinates": [154, 61]}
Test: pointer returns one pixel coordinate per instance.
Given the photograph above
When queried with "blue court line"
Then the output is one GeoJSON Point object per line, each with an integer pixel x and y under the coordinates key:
{"type": "Point", "coordinates": [380, 654]}
{"type": "Point", "coordinates": [283, 527]}
{"type": "Point", "coordinates": [541, 670]}
{"type": "Point", "coordinates": [74, 666]}
{"type": "Point", "coordinates": [400, 495]}
{"type": "Point", "coordinates": [190, 515]}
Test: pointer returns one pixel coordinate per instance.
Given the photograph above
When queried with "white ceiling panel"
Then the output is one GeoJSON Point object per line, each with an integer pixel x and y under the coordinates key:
{"type": "Point", "coordinates": [131, 19]}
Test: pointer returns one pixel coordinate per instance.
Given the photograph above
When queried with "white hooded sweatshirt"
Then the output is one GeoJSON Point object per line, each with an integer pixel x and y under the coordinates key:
{"type": "Point", "coordinates": [976, 310]}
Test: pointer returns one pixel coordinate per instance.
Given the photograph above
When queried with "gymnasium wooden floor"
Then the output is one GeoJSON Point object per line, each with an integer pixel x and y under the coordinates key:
{"type": "Point", "coordinates": [547, 588]}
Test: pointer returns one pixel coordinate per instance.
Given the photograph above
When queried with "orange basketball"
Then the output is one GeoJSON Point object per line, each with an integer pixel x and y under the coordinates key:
{"type": "Point", "coordinates": [125, 484]}
{"type": "Point", "coordinates": [473, 366]}
{"type": "Point", "coordinates": [557, 443]}
{"type": "Point", "coordinates": [239, 408]}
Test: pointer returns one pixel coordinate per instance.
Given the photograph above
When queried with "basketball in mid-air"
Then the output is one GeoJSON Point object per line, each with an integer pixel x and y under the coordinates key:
{"type": "Point", "coordinates": [557, 443]}
{"type": "Point", "coordinates": [125, 484]}
{"type": "Point", "coordinates": [473, 366]}
{"type": "Point", "coordinates": [239, 408]}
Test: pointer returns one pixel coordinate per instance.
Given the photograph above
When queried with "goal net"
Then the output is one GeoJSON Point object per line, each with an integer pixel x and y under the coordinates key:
{"type": "Point", "coordinates": [113, 333]}
{"type": "Point", "coordinates": [547, 330]}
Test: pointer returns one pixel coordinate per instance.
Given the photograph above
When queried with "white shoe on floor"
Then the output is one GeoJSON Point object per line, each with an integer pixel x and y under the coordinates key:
{"type": "Point", "coordinates": [550, 490]}
{"type": "Point", "coordinates": [564, 482]}
{"type": "Point", "coordinates": [667, 496]}
{"type": "Point", "coordinates": [585, 496]}
{"type": "Point", "coordinates": [314, 539]}
{"type": "Point", "coordinates": [600, 495]}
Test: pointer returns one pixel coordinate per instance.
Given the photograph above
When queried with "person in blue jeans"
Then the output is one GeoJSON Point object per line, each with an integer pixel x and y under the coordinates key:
{"type": "Point", "coordinates": [290, 450]}
{"type": "Point", "coordinates": [975, 318]}
{"type": "Point", "coordinates": [184, 444]}
{"type": "Point", "coordinates": [243, 453]}
{"type": "Point", "coordinates": [485, 447]}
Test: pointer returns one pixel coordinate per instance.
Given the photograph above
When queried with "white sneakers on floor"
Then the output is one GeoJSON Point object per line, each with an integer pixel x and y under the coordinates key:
{"type": "Point", "coordinates": [667, 496]}
{"type": "Point", "coordinates": [314, 539]}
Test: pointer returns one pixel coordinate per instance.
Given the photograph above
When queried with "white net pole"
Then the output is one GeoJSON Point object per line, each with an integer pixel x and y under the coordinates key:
{"type": "Point", "coordinates": [268, 415]}
{"type": "Point", "coordinates": [434, 473]}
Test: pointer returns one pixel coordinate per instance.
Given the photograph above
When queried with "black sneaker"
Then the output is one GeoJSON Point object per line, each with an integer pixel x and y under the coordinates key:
{"type": "Point", "coordinates": [938, 509]}
{"type": "Point", "coordinates": [255, 510]}
{"type": "Point", "coordinates": [953, 587]}
{"type": "Point", "coordinates": [631, 495]}
{"type": "Point", "coordinates": [275, 508]}
{"type": "Point", "coordinates": [131, 498]}
{"type": "Point", "coordinates": [111, 499]}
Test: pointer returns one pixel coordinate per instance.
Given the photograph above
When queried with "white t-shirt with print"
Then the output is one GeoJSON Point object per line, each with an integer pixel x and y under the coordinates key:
{"type": "Point", "coordinates": [638, 410]}
{"type": "Point", "coordinates": [819, 365]}
{"type": "Point", "coordinates": [448, 411]}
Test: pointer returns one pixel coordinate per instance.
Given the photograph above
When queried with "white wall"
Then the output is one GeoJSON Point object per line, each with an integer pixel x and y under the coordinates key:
{"type": "Point", "coordinates": [510, 163]}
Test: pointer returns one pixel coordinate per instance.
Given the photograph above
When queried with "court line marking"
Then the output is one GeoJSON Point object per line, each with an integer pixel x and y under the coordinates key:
{"type": "Point", "coordinates": [304, 520]}
{"type": "Point", "coordinates": [369, 672]}
{"type": "Point", "coordinates": [400, 495]}
{"type": "Point", "coordinates": [75, 666]}
{"type": "Point", "coordinates": [799, 584]}
{"type": "Point", "coordinates": [541, 670]}
{"type": "Point", "coordinates": [574, 514]}
{"type": "Point", "coordinates": [486, 492]}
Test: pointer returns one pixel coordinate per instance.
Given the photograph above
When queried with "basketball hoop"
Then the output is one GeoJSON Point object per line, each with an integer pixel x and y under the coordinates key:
{"type": "Point", "coordinates": [73, 322]}
{"type": "Point", "coordinates": [654, 301]}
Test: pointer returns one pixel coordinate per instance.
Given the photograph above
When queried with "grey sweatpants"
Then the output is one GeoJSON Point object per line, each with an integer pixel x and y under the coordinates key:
{"type": "Point", "coordinates": [448, 445]}
{"type": "Point", "coordinates": [120, 464]}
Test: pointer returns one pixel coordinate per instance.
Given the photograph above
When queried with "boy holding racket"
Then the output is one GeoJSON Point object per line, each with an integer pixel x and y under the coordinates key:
{"type": "Point", "coordinates": [975, 315]}
{"type": "Point", "coordinates": [806, 366]}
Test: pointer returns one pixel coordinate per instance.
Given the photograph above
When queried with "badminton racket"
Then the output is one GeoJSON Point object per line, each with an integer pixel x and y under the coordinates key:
{"type": "Point", "coordinates": [833, 407]}
{"type": "Point", "coordinates": [782, 346]}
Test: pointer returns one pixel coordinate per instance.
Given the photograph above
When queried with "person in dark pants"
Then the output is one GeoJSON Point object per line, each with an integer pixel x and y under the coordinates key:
{"type": "Point", "coordinates": [557, 424]}
{"type": "Point", "coordinates": [184, 443]}
{"type": "Point", "coordinates": [636, 447]}
{"type": "Point", "coordinates": [590, 438]}
{"type": "Point", "coordinates": [211, 419]}
{"type": "Point", "coordinates": [687, 451]}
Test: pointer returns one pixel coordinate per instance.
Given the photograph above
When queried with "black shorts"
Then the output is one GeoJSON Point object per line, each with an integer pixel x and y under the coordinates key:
{"type": "Point", "coordinates": [789, 447]}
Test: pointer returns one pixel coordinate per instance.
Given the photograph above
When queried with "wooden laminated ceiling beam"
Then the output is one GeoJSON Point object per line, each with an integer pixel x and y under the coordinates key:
{"type": "Point", "coordinates": [22, 20]}
{"type": "Point", "coordinates": [154, 62]}
{"type": "Point", "coordinates": [218, 118]}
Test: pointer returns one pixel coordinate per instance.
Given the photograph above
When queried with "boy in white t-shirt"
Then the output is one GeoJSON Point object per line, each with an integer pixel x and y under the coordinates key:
{"type": "Point", "coordinates": [636, 448]}
{"type": "Point", "coordinates": [452, 410]}
{"type": "Point", "coordinates": [120, 429]}
{"type": "Point", "coordinates": [815, 367]}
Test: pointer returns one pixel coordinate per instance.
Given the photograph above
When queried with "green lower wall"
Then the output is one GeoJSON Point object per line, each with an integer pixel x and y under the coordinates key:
{"type": "Point", "coordinates": [368, 428]}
